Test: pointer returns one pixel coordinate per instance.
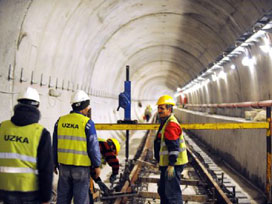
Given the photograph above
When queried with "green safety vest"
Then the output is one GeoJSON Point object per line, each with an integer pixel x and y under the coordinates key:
{"type": "Point", "coordinates": [18, 156]}
{"type": "Point", "coordinates": [72, 144]}
{"type": "Point", "coordinates": [164, 154]}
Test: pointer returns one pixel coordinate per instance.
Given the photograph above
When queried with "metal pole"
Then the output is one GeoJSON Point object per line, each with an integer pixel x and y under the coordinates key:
{"type": "Point", "coordinates": [127, 73]}
{"type": "Point", "coordinates": [127, 144]}
{"type": "Point", "coordinates": [268, 156]}
{"type": "Point", "coordinates": [128, 109]}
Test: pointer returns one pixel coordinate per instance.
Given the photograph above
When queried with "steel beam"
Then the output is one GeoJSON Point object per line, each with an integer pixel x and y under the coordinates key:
{"type": "Point", "coordinates": [197, 126]}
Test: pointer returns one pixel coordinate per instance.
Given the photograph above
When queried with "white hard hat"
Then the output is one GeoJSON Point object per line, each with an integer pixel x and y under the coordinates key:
{"type": "Point", "coordinates": [29, 94]}
{"type": "Point", "coordinates": [79, 96]}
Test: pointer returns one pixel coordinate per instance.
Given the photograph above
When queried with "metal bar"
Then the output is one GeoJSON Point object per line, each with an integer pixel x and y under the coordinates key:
{"type": "Point", "coordinates": [189, 182]}
{"type": "Point", "coordinates": [219, 193]}
{"type": "Point", "coordinates": [119, 195]}
{"type": "Point", "coordinates": [194, 198]}
{"type": "Point", "coordinates": [145, 163]}
{"type": "Point", "coordinates": [254, 104]}
{"type": "Point", "coordinates": [268, 156]}
{"type": "Point", "coordinates": [127, 144]}
{"type": "Point", "coordinates": [198, 126]}
{"type": "Point", "coordinates": [127, 73]}
{"type": "Point", "coordinates": [133, 176]}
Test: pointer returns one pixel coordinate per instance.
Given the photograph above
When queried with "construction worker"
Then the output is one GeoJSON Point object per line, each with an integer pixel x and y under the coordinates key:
{"type": "Point", "coordinates": [26, 164]}
{"type": "Point", "coordinates": [76, 149]}
{"type": "Point", "coordinates": [109, 150]}
{"type": "Point", "coordinates": [148, 112]}
{"type": "Point", "coordinates": [170, 152]}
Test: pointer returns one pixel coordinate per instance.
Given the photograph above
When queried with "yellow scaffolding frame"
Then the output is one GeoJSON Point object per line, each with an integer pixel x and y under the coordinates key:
{"type": "Point", "coordinates": [196, 126]}
{"type": "Point", "coordinates": [210, 126]}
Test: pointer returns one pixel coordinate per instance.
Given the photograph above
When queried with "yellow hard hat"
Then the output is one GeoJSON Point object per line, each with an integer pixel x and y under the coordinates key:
{"type": "Point", "coordinates": [166, 100]}
{"type": "Point", "coordinates": [116, 144]}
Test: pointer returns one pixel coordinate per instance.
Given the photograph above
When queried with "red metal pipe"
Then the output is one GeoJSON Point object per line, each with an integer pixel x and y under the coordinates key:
{"type": "Point", "coordinates": [256, 104]}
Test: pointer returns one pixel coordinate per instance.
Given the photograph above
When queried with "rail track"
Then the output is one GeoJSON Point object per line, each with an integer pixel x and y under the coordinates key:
{"type": "Point", "coordinates": [202, 181]}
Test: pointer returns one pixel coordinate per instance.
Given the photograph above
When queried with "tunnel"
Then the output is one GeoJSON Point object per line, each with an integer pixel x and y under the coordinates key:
{"type": "Point", "coordinates": [197, 51]}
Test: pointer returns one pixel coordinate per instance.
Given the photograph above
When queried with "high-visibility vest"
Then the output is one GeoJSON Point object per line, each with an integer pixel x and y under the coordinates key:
{"type": "Point", "coordinates": [164, 154]}
{"type": "Point", "coordinates": [103, 160]}
{"type": "Point", "coordinates": [18, 156]}
{"type": "Point", "coordinates": [72, 141]}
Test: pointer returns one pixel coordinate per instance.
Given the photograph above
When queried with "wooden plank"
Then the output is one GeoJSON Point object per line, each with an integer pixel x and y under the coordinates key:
{"type": "Point", "coordinates": [189, 182]}
{"type": "Point", "coordinates": [185, 197]}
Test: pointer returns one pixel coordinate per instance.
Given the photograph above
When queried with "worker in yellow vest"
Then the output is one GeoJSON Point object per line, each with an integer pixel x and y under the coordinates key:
{"type": "Point", "coordinates": [170, 152]}
{"type": "Point", "coordinates": [26, 164]}
{"type": "Point", "coordinates": [75, 150]}
{"type": "Point", "coordinates": [148, 113]}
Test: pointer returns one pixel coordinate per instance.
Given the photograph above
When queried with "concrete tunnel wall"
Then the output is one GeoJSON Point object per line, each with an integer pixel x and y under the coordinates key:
{"type": "Point", "coordinates": [243, 150]}
{"type": "Point", "coordinates": [241, 84]}
{"type": "Point", "coordinates": [60, 46]}
{"type": "Point", "coordinates": [42, 47]}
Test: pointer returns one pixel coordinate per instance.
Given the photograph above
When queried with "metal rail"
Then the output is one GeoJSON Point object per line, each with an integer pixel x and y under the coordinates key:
{"type": "Point", "coordinates": [219, 126]}
{"type": "Point", "coordinates": [221, 196]}
{"type": "Point", "coordinates": [134, 178]}
{"type": "Point", "coordinates": [256, 104]}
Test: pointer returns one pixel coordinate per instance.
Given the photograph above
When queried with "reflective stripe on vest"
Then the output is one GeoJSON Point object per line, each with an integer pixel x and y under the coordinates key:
{"type": "Point", "coordinates": [182, 157]}
{"type": "Point", "coordinates": [5, 169]}
{"type": "Point", "coordinates": [6, 155]}
{"type": "Point", "coordinates": [72, 144]}
{"type": "Point", "coordinates": [18, 156]}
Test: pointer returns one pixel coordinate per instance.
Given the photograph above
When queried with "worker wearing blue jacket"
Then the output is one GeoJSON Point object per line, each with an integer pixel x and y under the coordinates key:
{"type": "Point", "coordinates": [75, 150]}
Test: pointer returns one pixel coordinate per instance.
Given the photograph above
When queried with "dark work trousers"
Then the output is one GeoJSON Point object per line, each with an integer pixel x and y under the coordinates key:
{"type": "Point", "coordinates": [169, 189]}
{"type": "Point", "coordinates": [20, 197]}
{"type": "Point", "coordinates": [74, 181]}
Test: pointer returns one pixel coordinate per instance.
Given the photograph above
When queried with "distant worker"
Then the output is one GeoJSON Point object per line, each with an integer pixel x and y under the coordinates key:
{"type": "Point", "coordinates": [76, 149]}
{"type": "Point", "coordinates": [109, 150]}
{"type": "Point", "coordinates": [148, 113]}
{"type": "Point", "coordinates": [170, 152]}
{"type": "Point", "coordinates": [26, 164]}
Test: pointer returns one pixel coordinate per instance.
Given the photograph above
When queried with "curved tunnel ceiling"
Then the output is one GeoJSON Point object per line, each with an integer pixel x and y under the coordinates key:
{"type": "Point", "coordinates": [87, 44]}
{"type": "Point", "coordinates": [177, 39]}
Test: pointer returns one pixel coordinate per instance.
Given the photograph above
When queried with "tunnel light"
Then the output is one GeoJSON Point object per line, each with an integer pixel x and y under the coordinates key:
{"type": "Point", "coordinates": [206, 82]}
{"type": "Point", "coordinates": [200, 78]}
{"type": "Point", "coordinates": [249, 61]}
{"type": "Point", "coordinates": [197, 86]}
{"type": "Point", "coordinates": [178, 89]}
{"type": "Point", "coordinates": [233, 66]}
{"type": "Point", "coordinates": [222, 75]}
{"type": "Point", "coordinates": [242, 46]}
{"type": "Point", "coordinates": [266, 48]}
{"type": "Point", "coordinates": [214, 77]}
{"type": "Point", "coordinates": [218, 67]}
{"type": "Point", "coordinates": [209, 71]}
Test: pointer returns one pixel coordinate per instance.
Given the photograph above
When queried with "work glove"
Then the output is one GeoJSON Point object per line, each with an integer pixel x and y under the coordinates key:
{"type": "Point", "coordinates": [105, 190]}
{"type": "Point", "coordinates": [170, 172]}
{"type": "Point", "coordinates": [113, 178]}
